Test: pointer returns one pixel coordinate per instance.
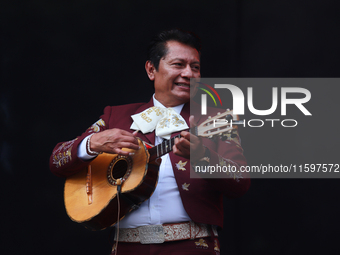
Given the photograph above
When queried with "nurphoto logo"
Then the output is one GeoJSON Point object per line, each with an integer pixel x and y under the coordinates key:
{"type": "Point", "coordinates": [289, 95]}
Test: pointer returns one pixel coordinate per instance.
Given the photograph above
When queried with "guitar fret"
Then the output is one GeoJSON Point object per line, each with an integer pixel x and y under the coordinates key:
{"type": "Point", "coordinates": [162, 148]}
{"type": "Point", "coordinates": [166, 146]}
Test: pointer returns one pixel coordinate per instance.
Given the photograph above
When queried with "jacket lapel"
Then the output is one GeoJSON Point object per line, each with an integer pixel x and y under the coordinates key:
{"type": "Point", "coordinates": [185, 113]}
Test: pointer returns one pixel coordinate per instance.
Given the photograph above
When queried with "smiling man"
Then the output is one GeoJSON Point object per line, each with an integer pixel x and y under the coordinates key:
{"type": "Point", "coordinates": [172, 77]}
{"type": "Point", "coordinates": [183, 214]}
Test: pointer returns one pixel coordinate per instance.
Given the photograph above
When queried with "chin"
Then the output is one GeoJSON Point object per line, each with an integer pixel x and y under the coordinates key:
{"type": "Point", "coordinates": [184, 100]}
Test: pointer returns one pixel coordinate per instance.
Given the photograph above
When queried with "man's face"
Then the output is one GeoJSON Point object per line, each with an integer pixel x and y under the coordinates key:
{"type": "Point", "coordinates": [172, 80]}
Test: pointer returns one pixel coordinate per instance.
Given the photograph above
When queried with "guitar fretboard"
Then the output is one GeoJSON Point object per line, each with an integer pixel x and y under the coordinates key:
{"type": "Point", "coordinates": [162, 148]}
{"type": "Point", "coordinates": [166, 146]}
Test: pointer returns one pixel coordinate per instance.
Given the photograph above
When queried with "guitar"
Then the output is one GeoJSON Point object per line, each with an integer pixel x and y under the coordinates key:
{"type": "Point", "coordinates": [91, 196]}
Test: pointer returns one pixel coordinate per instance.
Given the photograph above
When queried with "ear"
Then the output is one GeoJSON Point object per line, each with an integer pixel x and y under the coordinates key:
{"type": "Point", "coordinates": [150, 70]}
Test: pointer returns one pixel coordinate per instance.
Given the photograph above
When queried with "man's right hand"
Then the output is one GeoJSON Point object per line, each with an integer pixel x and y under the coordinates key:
{"type": "Point", "coordinates": [113, 140]}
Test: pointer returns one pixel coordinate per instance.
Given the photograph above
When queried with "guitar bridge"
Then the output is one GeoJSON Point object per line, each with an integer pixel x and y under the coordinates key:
{"type": "Point", "coordinates": [89, 185]}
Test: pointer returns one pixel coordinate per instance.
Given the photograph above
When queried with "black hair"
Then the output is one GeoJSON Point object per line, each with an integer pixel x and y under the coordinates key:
{"type": "Point", "coordinates": [157, 48]}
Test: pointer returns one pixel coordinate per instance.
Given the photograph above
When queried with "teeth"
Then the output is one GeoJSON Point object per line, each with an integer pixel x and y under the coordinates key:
{"type": "Point", "coordinates": [182, 84]}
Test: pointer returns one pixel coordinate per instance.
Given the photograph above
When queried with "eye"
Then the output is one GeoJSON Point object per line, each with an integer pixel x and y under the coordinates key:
{"type": "Point", "coordinates": [196, 67]}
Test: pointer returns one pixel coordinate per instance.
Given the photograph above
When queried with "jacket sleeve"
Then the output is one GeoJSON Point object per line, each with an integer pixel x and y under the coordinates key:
{"type": "Point", "coordinates": [225, 166]}
{"type": "Point", "coordinates": [230, 161]}
{"type": "Point", "coordinates": [64, 160]}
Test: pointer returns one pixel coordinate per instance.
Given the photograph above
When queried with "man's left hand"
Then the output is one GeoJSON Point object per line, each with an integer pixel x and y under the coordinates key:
{"type": "Point", "coordinates": [188, 142]}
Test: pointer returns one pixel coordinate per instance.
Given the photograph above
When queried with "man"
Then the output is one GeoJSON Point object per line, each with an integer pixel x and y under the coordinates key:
{"type": "Point", "coordinates": [188, 209]}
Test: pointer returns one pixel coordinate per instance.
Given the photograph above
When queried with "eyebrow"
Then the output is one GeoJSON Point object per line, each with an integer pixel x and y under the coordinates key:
{"type": "Point", "coordinates": [182, 59]}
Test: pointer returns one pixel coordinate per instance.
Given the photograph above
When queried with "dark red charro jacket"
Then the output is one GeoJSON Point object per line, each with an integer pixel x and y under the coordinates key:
{"type": "Point", "coordinates": [202, 198]}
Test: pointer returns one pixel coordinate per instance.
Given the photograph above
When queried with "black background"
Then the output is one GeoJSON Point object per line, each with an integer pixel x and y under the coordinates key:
{"type": "Point", "coordinates": [63, 61]}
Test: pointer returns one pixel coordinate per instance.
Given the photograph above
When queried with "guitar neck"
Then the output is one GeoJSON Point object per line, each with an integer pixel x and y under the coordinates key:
{"type": "Point", "coordinates": [162, 148]}
{"type": "Point", "coordinates": [166, 146]}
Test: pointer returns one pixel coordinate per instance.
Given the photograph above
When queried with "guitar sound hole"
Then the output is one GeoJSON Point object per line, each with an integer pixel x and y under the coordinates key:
{"type": "Point", "coordinates": [119, 169]}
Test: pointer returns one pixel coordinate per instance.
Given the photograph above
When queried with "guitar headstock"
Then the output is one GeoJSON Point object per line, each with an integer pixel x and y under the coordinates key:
{"type": "Point", "coordinates": [218, 125]}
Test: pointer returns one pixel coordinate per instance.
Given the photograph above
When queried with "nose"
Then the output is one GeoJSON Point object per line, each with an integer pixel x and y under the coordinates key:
{"type": "Point", "coordinates": [187, 72]}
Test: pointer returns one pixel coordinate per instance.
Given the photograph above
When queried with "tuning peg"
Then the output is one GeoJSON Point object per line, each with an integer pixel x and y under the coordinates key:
{"type": "Point", "coordinates": [229, 117]}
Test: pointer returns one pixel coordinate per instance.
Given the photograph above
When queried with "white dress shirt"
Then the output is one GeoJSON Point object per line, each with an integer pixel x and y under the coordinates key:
{"type": "Point", "coordinates": [165, 205]}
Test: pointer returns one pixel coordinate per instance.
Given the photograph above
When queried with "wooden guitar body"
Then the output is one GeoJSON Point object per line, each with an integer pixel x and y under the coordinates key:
{"type": "Point", "coordinates": [91, 195]}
